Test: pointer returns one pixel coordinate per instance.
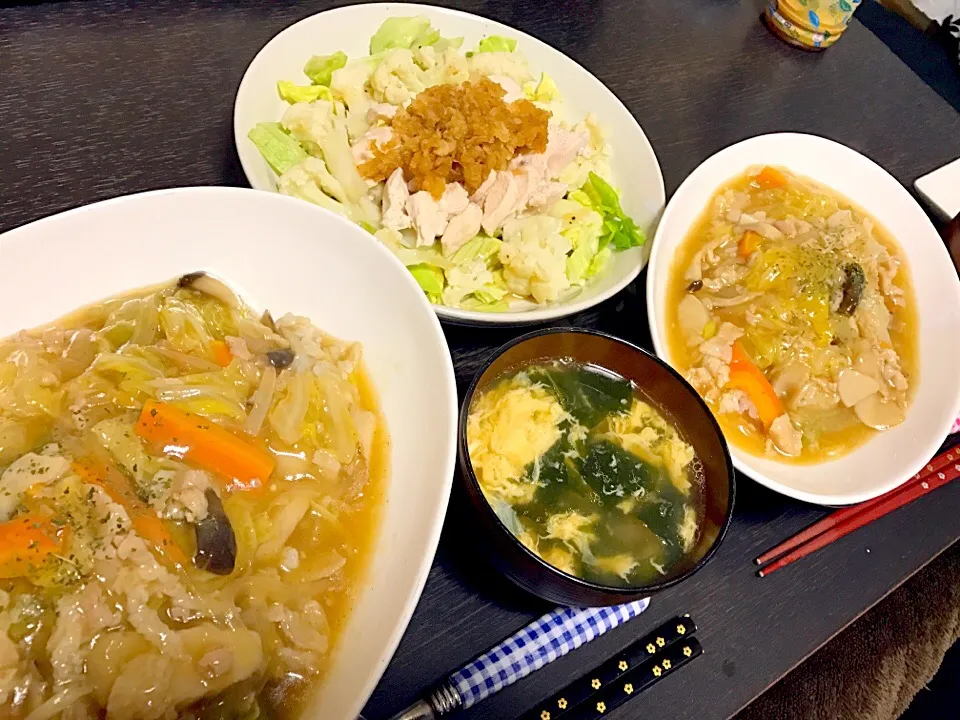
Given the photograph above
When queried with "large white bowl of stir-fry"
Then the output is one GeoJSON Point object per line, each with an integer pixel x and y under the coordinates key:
{"type": "Point", "coordinates": [227, 436]}
{"type": "Point", "coordinates": [512, 183]}
{"type": "Point", "coordinates": [808, 298]}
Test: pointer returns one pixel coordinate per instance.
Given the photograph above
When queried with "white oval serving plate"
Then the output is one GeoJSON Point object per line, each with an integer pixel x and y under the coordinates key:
{"type": "Point", "coordinates": [889, 458]}
{"type": "Point", "coordinates": [633, 162]}
{"type": "Point", "coordinates": [288, 256]}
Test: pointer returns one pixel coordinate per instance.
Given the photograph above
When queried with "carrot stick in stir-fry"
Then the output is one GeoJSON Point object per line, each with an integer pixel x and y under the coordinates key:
{"type": "Point", "coordinates": [155, 532]}
{"type": "Point", "coordinates": [221, 353]}
{"type": "Point", "coordinates": [110, 481]}
{"type": "Point", "coordinates": [770, 177]}
{"type": "Point", "coordinates": [145, 523]}
{"type": "Point", "coordinates": [200, 441]}
{"type": "Point", "coordinates": [746, 376]}
{"type": "Point", "coordinates": [749, 243]}
{"type": "Point", "coordinates": [27, 541]}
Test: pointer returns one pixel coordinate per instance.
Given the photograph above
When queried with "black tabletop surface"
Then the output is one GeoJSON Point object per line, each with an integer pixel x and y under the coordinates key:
{"type": "Point", "coordinates": [108, 97]}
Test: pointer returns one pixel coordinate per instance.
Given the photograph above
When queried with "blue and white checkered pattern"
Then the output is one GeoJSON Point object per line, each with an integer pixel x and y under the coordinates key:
{"type": "Point", "coordinates": [539, 643]}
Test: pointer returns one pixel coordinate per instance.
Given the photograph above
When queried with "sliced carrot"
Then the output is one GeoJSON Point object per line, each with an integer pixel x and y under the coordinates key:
{"type": "Point", "coordinates": [113, 483]}
{"type": "Point", "coordinates": [770, 177]}
{"type": "Point", "coordinates": [748, 244]}
{"type": "Point", "coordinates": [746, 376]}
{"type": "Point", "coordinates": [27, 541]}
{"type": "Point", "coordinates": [238, 461]}
{"type": "Point", "coordinates": [221, 353]}
{"type": "Point", "coordinates": [154, 531]}
{"type": "Point", "coordinates": [145, 523]}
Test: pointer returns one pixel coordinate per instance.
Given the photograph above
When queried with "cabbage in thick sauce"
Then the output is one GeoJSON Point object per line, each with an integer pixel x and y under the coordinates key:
{"type": "Point", "coordinates": [188, 493]}
{"type": "Point", "coordinates": [792, 314]}
{"type": "Point", "coordinates": [585, 472]}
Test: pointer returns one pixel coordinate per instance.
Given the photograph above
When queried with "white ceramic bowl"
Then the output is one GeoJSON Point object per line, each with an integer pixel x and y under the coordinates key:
{"type": "Point", "coordinates": [634, 165]}
{"type": "Point", "coordinates": [889, 458]}
{"type": "Point", "coordinates": [285, 255]}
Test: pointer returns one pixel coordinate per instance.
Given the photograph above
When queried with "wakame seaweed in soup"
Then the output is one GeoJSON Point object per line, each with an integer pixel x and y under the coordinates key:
{"type": "Point", "coordinates": [586, 472]}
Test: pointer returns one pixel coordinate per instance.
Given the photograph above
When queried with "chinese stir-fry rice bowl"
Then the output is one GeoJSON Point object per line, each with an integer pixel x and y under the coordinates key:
{"type": "Point", "coordinates": [792, 313]}
{"type": "Point", "coordinates": [188, 495]}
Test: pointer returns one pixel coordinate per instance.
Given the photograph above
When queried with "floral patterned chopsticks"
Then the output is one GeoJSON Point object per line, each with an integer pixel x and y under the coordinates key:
{"type": "Point", "coordinates": [610, 685]}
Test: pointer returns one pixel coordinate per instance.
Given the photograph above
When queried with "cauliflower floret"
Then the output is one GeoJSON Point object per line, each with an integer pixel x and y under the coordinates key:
{"type": "Point", "coordinates": [349, 82]}
{"type": "Point", "coordinates": [309, 123]}
{"type": "Point", "coordinates": [534, 257]}
{"type": "Point", "coordinates": [446, 67]}
{"type": "Point", "coordinates": [595, 157]}
{"type": "Point", "coordinates": [310, 180]}
{"type": "Point", "coordinates": [397, 79]}
{"type": "Point", "coordinates": [320, 128]}
{"type": "Point", "coordinates": [465, 279]}
{"type": "Point", "coordinates": [507, 64]}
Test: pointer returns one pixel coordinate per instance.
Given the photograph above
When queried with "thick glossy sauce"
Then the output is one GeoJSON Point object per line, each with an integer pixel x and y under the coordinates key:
{"type": "Point", "coordinates": [739, 431]}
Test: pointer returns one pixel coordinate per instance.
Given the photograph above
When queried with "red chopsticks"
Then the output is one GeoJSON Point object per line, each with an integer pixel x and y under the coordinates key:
{"type": "Point", "coordinates": [938, 472]}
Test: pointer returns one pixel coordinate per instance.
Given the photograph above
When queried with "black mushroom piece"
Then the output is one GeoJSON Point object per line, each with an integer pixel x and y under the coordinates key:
{"type": "Point", "coordinates": [209, 285]}
{"type": "Point", "coordinates": [280, 358]}
{"type": "Point", "coordinates": [853, 284]}
{"type": "Point", "coordinates": [216, 542]}
{"type": "Point", "coordinates": [695, 286]}
{"type": "Point", "coordinates": [267, 319]}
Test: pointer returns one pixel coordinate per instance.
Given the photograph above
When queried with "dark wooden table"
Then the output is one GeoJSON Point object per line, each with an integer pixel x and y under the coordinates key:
{"type": "Point", "coordinates": [107, 97]}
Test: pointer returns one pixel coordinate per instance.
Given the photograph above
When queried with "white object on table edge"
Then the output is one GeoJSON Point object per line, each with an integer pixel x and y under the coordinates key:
{"type": "Point", "coordinates": [941, 189]}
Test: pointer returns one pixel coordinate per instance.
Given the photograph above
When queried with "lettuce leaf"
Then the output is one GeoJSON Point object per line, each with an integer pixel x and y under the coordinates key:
{"type": "Point", "coordinates": [619, 230]}
{"type": "Point", "coordinates": [447, 43]}
{"type": "Point", "coordinates": [320, 68]}
{"type": "Point", "coordinates": [474, 303]}
{"type": "Point", "coordinates": [429, 277]}
{"type": "Point", "coordinates": [403, 32]}
{"type": "Point", "coordinates": [578, 262]}
{"type": "Point", "coordinates": [280, 150]}
{"type": "Point", "coordinates": [292, 93]}
{"type": "Point", "coordinates": [599, 262]}
{"type": "Point", "coordinates": [497, 43]}
{"type": "Point", "coordinates": [544, 91]}
{"type": "Point", "coordinates": [423, 256]}
{"type": "Point", "coordinates": [117, 437]}
{"type": "Point", "coordinates": [482, 247]}
{"type": "Point", "coordinates": [583, 232]}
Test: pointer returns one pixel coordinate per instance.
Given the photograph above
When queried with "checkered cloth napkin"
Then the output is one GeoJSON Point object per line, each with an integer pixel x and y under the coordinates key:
{"type": "Point", "coordinates": [539, 643]}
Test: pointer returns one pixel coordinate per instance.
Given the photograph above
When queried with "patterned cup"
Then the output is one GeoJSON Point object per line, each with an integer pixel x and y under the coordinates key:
{"type": "Point", "coordinates": [809, 24]}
